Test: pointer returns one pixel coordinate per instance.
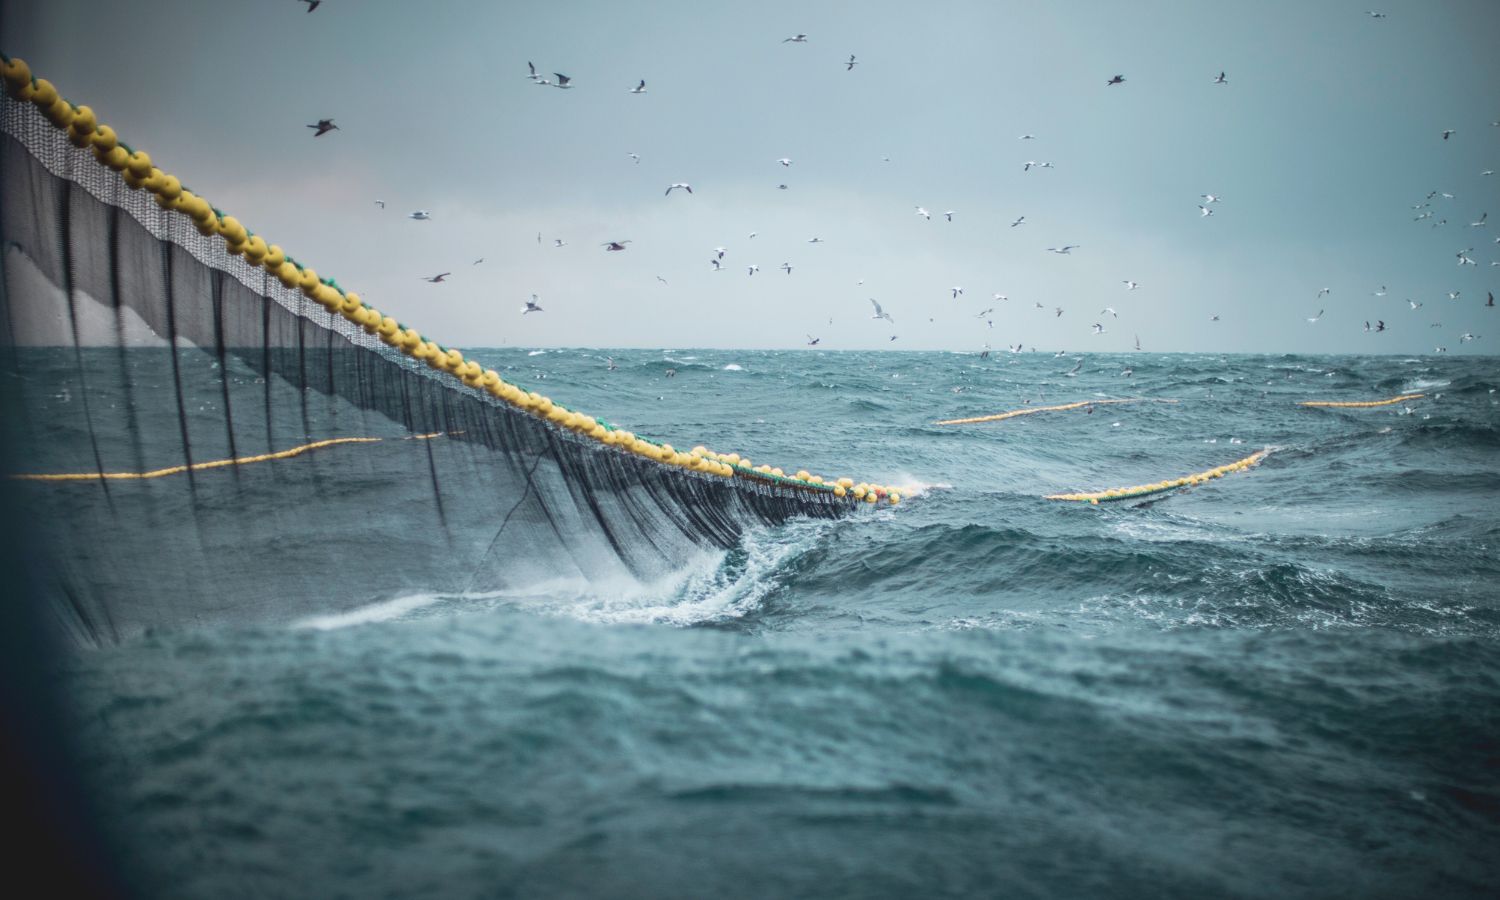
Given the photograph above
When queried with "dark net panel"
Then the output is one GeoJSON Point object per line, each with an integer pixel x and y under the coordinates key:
{"type": "Point", "coordinates": [131, 343]}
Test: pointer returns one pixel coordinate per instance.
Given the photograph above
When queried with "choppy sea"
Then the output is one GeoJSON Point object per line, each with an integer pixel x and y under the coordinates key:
{"type": "Point", "coordinates": [1284, 682]}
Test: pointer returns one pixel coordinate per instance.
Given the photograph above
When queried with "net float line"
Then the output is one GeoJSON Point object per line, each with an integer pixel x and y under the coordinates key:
{"type": "Point", "coordinates": [1360, 404]}
{"type": "Point", "coordinates": [1036, 409]}
{"type": "Point", "coordinates": [1146, 490]}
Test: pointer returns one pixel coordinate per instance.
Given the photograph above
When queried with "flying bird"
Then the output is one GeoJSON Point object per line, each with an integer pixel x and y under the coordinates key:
{"type": "Point", "coordinates": [1098, 328]}
{"type": "Point", "coordinates": [1377, 15]}
{"type": "Point", "coordinates": [1026, 137]}
{"type": "Point", "coordinates": [753, 268]}
{"type": "Point", "coordinates": [784, 162]}
{"type": "Point", "coordinates": [957, 292]}
{"type": "Point", "coordinates": [1067, 248]}
{"type": "Point", "coordinates": [437, 279]}
{"type": "Point", "coordinates": [380, 203]}
{"type": "Point", "coordinates": [1110, 310]}
{"type": "Point", "coordinates": [851, 63]}
{"type": "Point", "coordinates": [531, 306]}
{"type": "Point", "coordinates": [786, 267]}
{"type": "Point", "coordinates": [1118, 79]}
{"type": "Point", "coordinates": [563, 81]}
{"type": "Point", "coordinates": [420, 215]}
{"type": "Point", "coordinates": [1314, 319]}
{"type": "Point", "coordinates": [533, 76]}
{"type": "Point", "coordinates": [1480, 223]}
{"type": "Point", "coordinates": [635, 156]}
{"type": "Point", "coordinates": [795, 39]}
{"type": "Point", "coordinates": [1210, 198]}
{"type": "Point", "coordinates": [815, 240]}
{"type": "Point", "coordinates": [680, 184]}
{"type": "Point", "coordinates": [478, 261]}
{"type": "Point", "coordinates": [924, 214]}
{"type": "Point", "coordinates": [612, 246]}
{"type": "Point", "coordinates": [1221, 79]}
{"type": "Point", "coordinates": [1414, 304]}
{"type": "Point", "coordinates": [558, 242]}
{"type": "Point", "coordinates": [1448, 132]}
{"type": "Point", "coordinates": [812, 341]}
{"type": "Point", "coordinates": [1204, 212]}
{"type": "Point", "coordinates": [324, 125]}
{"type": "Point", "coordinates": [1324, 291]}
{"type": "Point", "coordinates": [716, 264]}
{"type": "Point", "coordinates": [1020, 221]}
{"type": "Point", "coordinates": [1130, 285]}
{"type": "Point", "coordinates": [1466, 337]}
{"type": "Point", "coordinates": [640, 88]}
{"type": "Point", "coordinates": [312, 4]}
{"type": "Point", "coordinates": [880, 313]}
{"type": "Point", "coordinates": [948, 215]}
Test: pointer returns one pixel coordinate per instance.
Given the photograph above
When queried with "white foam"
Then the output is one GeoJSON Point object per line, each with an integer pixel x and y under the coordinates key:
{"type": "Point", "coordinates": [375, 612]}
{"type": "Point", "coordinates": [734, 368]}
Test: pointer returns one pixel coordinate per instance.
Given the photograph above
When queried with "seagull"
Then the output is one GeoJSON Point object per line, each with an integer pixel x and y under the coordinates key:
{"type": "Point", "coordinates": [893, 337]}
{"type": "Point", "coordinates": [948, 215]}
{"type": "Point", "coordinates": [1137, 342]}
{"type": "Point", "coordinates": [610, 361]}
{"type": "Point", "coordinates": [680, 184]}
{"type": "Point", "coordinates": [532, 306]}
{"type": "Point", "coordinates": [558, 242]}
{"type": "Point", "coordinates": [815, 240]}
{"type": "Point", "coordinates": [1098, 328]}
{"type": "Point", "coordinates": [1001, 297]}
{"type": "Point", "coordinates": [880, 313]}
{"type": "Point", "coordinates": [1480, 223]}
{"type": "Point", "coordinates": [1466, 337]}
{"type": "Point", "coordinates": [1453, 295]}
{"type": "Point", "coordinates": [716, 264]}
{"type": "Point", "coordinates": [563, 81]}
{"type": "Point", "coordinates": [924, 214]}
{"type": "Point", "coordinates": [1020, 221]}
{"type": "Point", "coordinates": [957, 292]}
{"type": "Point", "coordinates": [796, 39]}
{"type": "Point", "coordinates": [478, 261]}
{"type": "Point", "coordinates": [1066, 248]}
{"type": "Point", "coordinates": [986, 312]}
{"type": "Point", "coordinates": [533, 76]}
{"type": "Point", "coordinates": [1059, 311]}
{"type": "Point", "coordinates": [1324, 291]}
{"type": "Point", "coordinates": [312, 4]}
{"type": "Point", "coordinates": [420, 215]}
{"type": "Point", "coordinates": [1314, 319]}
{"type": "Point", "coordinates": [784, 162]}
{"type": "Point", "coordinates": [1130, 285]}
{"type": "Point", "coordinates": [1491, 300]}
{"type": "Point", "coordinates": [1118, 79]}
{"type": "Point", "coordinates": [324, 125]}
{"type": "Point", "coordinates": [1379, 293]}
{"type": "Point", "coordinates": [1026, 137]}
{"type": "Point", "coordinates": [612, 246]}
{"type": "Point", "coordinates": [851, 63]}
{"type": "Point", "coordinates": [753, 268]}
{"type": "Point", "coordinates": [786, 267]}
{"type": "Point", "coordinates": [812, 341]}
{"type": "Point", "coordinates": [380, 203]}
{"type": "Point", "coordinates": [1487, 172]}
{"type": "Point", "coordinates": [1039, 305]}
{"type": "Point", "coordinates": [1448, 132]}
{"type": "Point", "coordinates": [1221, 79]}
{"type": "Point", "coordinates": [1414, 304]}
{"type": "Point", "coordinates": [753, 234]}
{"type": "Point", "coordinates": [1110, 310]}
{"type": "Point", "coordinates": [1203, 211]}
{"type": "Point", "coordinates": [1379, 325]}
{"type": "Point", "coordinates": [1213, 318]}
{"type": "Point", "coordinates": [1073, 373]}
{"type": "Point", "coordinates": [1027, 167]}
{"type": "Point", "coordinates": [1210, 198]}
{"type": "Point", "coordinates": [640, 88]}
{"type": "Point", "coordinates": [780, 187]}
{"type": "Point", "coordinates": [635, 156]}
{"type": "Point", "coordinates": [438, 279]}
{"type": "Point", "coordinates": [1463, 257]}
{"type": "Point", "coordinates": [1127, 372]}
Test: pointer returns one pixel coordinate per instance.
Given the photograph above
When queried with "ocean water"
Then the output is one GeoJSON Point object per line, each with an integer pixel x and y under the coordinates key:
{"type": "Point", "coordinates": [1285, 682]}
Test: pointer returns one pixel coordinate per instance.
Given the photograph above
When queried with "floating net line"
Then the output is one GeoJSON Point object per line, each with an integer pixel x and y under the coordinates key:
{"type": "Point", "coordinates": [1159, 487]}
{"type": "Point", "coordinates": [145, 333]}
{"type": "Point", "coordinates": [1000, 417]}
{"type": "Point", "coordinates": [1360, 404]}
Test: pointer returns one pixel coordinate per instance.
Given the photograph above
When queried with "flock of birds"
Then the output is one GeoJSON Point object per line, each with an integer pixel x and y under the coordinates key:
{"type": "Point", "coordinates": [1206, 209]}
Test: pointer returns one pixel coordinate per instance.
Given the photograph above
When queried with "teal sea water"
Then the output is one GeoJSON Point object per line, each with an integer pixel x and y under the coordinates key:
{"type": "Point", "coordinates": [1285, 682]}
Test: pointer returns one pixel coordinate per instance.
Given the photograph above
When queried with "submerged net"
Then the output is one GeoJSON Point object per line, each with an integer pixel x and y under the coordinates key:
{"type": "Point", "coordinates": [170, 405]}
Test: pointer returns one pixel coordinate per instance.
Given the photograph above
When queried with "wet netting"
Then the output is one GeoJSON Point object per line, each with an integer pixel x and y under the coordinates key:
{"type": "Point", "coordinates": [181, 399]}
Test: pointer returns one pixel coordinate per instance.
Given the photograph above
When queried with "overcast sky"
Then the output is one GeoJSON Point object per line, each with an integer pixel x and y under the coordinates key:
{"type": "Point", "coordinates": [1326, 135]}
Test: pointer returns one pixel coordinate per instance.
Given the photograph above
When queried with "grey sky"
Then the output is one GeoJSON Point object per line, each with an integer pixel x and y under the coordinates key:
{"type": "Point", "coordinates": [1328, 132]}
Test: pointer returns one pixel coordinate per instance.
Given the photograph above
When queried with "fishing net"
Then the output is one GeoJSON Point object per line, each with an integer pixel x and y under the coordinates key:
{"type": "Point", "coordinates": [191, 413]}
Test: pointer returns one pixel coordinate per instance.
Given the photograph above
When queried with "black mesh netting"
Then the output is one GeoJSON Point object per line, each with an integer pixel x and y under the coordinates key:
{"type": "Point", "coordinates": [131, 343]}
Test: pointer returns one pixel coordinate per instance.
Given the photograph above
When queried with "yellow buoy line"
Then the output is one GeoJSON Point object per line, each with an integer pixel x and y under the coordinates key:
{"type": "Point", "coordinates": [1145, 490]}
{"type": "Point", "coordinates": [217, 463]}
{"type": "Point", "coordinates": [1036, 409]}
{"type": "Point", "coordinates": [1360, 404]}
{"type": "Point", "coordinates": [138, 172]}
